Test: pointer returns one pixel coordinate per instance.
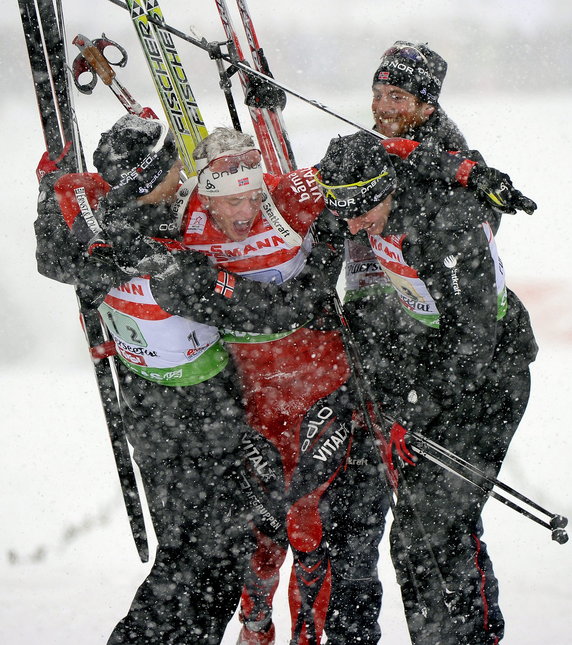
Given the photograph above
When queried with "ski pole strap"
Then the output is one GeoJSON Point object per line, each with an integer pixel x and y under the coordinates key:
{"type": "Point", "coordinates": [106, 349]}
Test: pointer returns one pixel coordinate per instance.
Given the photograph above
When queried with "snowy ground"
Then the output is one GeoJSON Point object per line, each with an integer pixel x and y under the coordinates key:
{"type": "Point", "coordinates": [68, 568]}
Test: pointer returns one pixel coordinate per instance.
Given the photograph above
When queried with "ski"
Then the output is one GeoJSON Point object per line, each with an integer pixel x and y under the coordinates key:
{"type": "Point", "coordinates": [177, 71]}
{"type": "Point", "coordinates": [43, 30]}
{"type": "Point", "coordinates": [273, 151]}
{"type": "Point", "coordinates": [170, 81]}
{"type": "Point", "coordinates": [279, 96]}
{"type": "Point", "coordinates": [48, 76]}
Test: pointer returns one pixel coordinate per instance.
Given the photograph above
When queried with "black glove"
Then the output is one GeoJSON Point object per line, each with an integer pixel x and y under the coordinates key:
{"type": "Point", "coordinates": [135, 253]}
{"type": "Point", "coordinates": [331, 229]}
{"type": "Point", "coordinates": [196, 289]}
{"type": "Point", "coordinates": [96, 275]}
{"type": "Point", "coordinates": [327, 254]}
{"type": "Point", "coordinates": [262, 94]}
{"type": "Point", "coordinates": [495, 188]}
{"type": "Point", "coordinates": [138, 255]}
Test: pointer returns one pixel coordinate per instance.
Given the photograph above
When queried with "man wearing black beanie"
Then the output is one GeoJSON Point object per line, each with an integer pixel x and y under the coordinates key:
{"type": "Point", "coordinates": [406, 89]}
{"type": "Point", "coordinates": [448, 351]}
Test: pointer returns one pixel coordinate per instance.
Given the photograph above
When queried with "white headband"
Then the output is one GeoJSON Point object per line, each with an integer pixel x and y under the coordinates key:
{"type": "Point", "coordinates": [228, 182]}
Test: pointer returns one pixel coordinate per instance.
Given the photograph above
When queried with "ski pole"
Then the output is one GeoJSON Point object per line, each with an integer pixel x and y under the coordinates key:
{"type": "Point", "coordinates": [366, 399]}
{"type": "Point", "coordinates": [556, 524]}
{"type": "Point", "coordinates": [92, 58]}
{"type": "Point", "coordinates": [462, 468]}
{"type": "Point", "coordinates": [225, 84]}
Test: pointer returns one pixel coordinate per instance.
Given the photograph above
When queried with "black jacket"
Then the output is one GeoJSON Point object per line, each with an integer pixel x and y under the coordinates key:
{"type": "Point", "coordinates": [470, 345]}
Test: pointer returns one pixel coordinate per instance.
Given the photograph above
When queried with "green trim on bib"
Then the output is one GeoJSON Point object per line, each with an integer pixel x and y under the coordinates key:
{"type": "Point", "coordinates": [502, 306]}
{"type": "Point", "coordinates": [371, 290]}
{"type": "Point", "coordinates": [243, 337]}
{"type": "Point", "coordinates": [430, 320]}
{"type": "Point", "coordinates": [207, 365]}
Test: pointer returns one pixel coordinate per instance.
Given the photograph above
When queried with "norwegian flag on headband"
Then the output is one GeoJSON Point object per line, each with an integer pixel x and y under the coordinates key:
{"type": "Point", "coordinates": [225, 284]}
{"type": "Point", "coordinates": [383, 76]}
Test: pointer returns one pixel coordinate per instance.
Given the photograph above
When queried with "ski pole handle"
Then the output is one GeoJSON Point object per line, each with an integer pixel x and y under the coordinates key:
{"type": "Point", "coordinates": [97, 62]}
{"type": "Point", "coordinates": [92, 59]}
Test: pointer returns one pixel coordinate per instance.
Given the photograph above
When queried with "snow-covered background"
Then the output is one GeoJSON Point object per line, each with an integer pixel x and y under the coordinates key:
{"type": "Point", "coordinates": [68, 567]}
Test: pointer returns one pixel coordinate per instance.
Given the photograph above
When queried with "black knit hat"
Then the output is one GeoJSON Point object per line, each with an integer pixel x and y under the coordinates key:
{"type": "Point", "coordinates": [135, 155]}
{"type": "Point", "coordinates": [414, 68]}
{"type": "Point", "coordinates": [355, 174]}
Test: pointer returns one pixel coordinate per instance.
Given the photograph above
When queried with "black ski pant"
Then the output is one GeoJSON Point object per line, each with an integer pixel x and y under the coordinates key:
{"type": "Point", "coordinates": [358, 503]}
{"type": "Point", "coordinates": [332, 515]}
{"type": "Point", "coordinates": [186, 443]}
{"type": "Point", "coordinates": [448, 586]}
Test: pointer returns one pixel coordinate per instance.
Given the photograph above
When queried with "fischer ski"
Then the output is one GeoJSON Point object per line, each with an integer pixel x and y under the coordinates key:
{"type": "Point", "coordinates": [177, 71]}
{"type": "Point", "coordinates": [44, 34]}
{"type": "Point", "coordinates": [170, 80]}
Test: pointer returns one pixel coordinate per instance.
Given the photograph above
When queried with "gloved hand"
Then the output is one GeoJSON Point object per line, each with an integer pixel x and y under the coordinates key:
{"type": "Point", "coordinates": [331, 229]}
{"type": "Point", "coordinates": [46, 165]}
{"type": "Point", "coordinates": [397, 438]}
{"type": "Point", "coordinates": [262, 94]}
{"type": "Point", "coordinates": [97, 274]}
{"type": "Point", "coordinates": [495, 187]}
{"type": "Point", "coordinates": [326, 262]}
{"type": "Point", "coordinates": [129, 228]}
{"type": "Point", "coordinates": [327, 254]}
{"type": "Point", "coordinates": [136, 254]}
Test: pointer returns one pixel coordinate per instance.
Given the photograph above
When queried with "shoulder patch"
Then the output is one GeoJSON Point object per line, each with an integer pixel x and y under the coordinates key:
{"type": "Point", "coordinates": [79, 193]}
{"type": "Point", "coordinates": [299, 199]}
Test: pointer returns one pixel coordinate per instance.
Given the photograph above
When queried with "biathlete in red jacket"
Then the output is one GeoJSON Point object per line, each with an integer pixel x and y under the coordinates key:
{"type": "Point", "coordinates": [182, 403]}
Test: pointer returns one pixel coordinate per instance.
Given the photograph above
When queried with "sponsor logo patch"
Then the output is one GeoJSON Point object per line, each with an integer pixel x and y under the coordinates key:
{"type": "Point", "coordinates": [197, 222]}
